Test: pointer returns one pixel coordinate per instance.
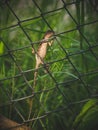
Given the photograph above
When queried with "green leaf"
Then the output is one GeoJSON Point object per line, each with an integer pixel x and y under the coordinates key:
{"type": "Point", "coordinates": [88, 116]}
{"type": "Point", "coordinates": [1, 47]}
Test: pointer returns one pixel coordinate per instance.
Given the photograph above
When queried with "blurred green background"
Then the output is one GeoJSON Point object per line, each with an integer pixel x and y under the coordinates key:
{"type": "Point", "coordinates": [67, 100]}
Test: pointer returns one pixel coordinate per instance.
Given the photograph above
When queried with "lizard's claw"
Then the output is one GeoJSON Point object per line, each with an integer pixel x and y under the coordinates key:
{"type": "Point", "coordinates": [33, 51]}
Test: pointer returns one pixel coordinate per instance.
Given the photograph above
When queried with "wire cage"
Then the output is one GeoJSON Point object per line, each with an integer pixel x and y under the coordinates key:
{"type": "Point", "coordinates": [65, 94]}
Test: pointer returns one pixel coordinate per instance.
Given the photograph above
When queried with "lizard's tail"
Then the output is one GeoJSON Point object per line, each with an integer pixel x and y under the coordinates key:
{"type": "Point", "coordinates": [31, 99]}
{"type": "Point", "coordinates": [35, 75]}
{"type": "Point", "coordinates": [36, 71]}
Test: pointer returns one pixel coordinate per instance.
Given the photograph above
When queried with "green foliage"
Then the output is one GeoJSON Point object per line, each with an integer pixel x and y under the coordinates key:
{"type": "Point", "coordinates": [87, 119]}
{"type": "Point", "coordinates": [1, 48]}
{"type": "Point", "coordinates": [57, 93]}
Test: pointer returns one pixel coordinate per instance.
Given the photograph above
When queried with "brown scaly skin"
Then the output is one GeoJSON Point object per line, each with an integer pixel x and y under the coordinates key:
{"type": "Point", "coordinates": [41, 52]}
{"type": "Point", "coordinates": [40, 55]}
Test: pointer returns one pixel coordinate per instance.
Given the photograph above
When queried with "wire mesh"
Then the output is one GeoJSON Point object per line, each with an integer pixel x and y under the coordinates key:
{"type": "Point", "coordinates": [67, 80]}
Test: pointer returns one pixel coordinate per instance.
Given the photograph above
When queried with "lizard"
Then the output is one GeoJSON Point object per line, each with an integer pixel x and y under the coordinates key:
{"type": "Point", "coordinates": [42, 51]}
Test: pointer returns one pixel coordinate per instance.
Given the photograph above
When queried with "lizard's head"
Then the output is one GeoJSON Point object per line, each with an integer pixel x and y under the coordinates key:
{"type": "Point", "coordinates": [49, 34]}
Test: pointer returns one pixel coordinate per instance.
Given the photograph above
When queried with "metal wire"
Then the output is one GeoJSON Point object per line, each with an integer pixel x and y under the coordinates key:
{"type": "Point", "coordinates": [68, 56]}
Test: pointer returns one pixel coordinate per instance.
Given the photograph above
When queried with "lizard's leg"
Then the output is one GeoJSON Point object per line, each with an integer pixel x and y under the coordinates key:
{"type": "Point", "coordinates": [38, 62]}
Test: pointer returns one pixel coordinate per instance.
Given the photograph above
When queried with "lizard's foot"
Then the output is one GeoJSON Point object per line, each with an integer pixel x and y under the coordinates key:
{"type": "Point", "coordinates": [33, 51]}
